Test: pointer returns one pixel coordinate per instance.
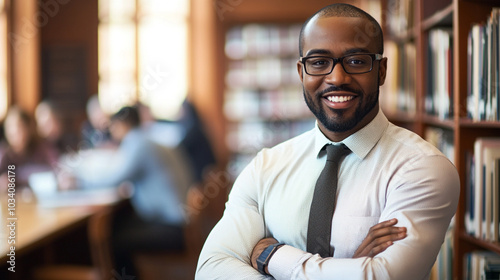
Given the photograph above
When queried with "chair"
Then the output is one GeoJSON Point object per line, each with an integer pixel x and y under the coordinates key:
{"type": "Point", "coordinates": [99, 231]}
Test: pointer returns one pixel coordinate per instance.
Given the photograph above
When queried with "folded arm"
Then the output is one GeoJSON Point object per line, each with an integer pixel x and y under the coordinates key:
{"type": "Point", "coordinates": [378, 239]}
{"type": "Point", "coordinates": [422, 199]}
{"type": "Point", "coordinates": [226, 252]}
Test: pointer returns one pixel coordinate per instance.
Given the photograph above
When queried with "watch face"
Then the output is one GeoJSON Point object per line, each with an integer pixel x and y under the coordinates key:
{"type": "Point", "coordinates": [263, 259]}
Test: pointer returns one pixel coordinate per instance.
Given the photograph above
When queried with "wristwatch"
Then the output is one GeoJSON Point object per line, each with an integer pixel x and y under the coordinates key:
{"type": "Point", "coordinates": [265, 256]}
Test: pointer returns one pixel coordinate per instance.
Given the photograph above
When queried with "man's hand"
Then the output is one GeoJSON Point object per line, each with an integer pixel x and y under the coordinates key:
{"type": "Point", "coordinates": [379, 238]}
{"type": "Point", "coordinates": [259, 248]}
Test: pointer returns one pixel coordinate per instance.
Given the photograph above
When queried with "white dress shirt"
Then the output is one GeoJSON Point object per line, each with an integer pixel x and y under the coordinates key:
{"type": "Point", "coordinates": [391, 173]}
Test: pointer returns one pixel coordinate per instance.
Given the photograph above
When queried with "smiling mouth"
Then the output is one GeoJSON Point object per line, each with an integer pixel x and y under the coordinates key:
{"type": "Point", "coordinates": [339, 99]}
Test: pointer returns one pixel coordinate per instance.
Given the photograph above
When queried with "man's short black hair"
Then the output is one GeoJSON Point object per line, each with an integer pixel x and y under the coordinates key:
{"type": "Point", "coordinates": [345, 10]}
{"type": "Point", "coordinates": [128, 115]}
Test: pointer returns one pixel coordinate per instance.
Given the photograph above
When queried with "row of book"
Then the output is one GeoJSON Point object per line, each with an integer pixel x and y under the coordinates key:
{"type": "Point", "coordinates": [263, 99]}
{"type": "Point", "coordinates": [483, 56]}
{"type": "Point", "coordinates": [484, 265]}
{"type": "Point", "coordinates": [482, 211]}
{"type": "Point", "coordinates": [443, 267]}
{"type": "Point", "coordinates": [442, 139]}
{"type": "Point", "coordinates": [400, 87]}
{"type": "Point", "coordinates": [439, 91]}
{"type": "Point", "coordinates": [268, 72]}
{"type": "Point", "coordinates": [250, 137]}
{"type": "Point", "coordinates": [399, 15]}
{"type": "Point", "coordinates": [399, 93]}
{"type": "Point", "coordinates": [253, 104]}
{"type": "Point", "coordinates": [254, 40]}
{"type": "Point", "coordinates": [247, 138]}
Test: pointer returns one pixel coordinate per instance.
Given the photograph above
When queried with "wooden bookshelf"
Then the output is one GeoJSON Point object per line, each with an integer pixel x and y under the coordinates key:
{"type": "Point", "coordinates": [458, 15]}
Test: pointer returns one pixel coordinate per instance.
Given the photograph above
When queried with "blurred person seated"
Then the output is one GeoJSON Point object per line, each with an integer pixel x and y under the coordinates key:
{"type": "Point", "coordinates": [187, 134]}
{"type": "Point", "coordinates": [164, 132]}
{"type": "Point", "coordinates": [50, 127]}
{"type": "Point", "coordinates": [24, 150]}
{"type": "Point", "coordinates": [160, 179]}
{"type": "Point", "coordinates": [95, 132]}
{"type": "Point", "coordinates": [195, 141]}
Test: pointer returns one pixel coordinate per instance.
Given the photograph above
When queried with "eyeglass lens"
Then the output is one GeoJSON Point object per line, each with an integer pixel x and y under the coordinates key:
{"type": "Point", "coordinates": [353, 64]}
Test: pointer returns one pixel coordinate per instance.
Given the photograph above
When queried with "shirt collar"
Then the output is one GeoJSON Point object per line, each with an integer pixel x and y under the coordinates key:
{"type": "Point", "coordinates": [361, 142]}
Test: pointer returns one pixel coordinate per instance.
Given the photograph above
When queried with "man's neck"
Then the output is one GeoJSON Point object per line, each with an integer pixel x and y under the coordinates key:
{"type": "Point", "coordinates": [335, 136]}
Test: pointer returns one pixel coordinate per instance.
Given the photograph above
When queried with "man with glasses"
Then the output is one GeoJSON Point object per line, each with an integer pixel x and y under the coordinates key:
{"type": "Point", "coordinates": [393, 193]}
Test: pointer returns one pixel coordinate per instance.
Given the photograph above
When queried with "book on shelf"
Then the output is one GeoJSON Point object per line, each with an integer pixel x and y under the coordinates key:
{"type": "Point", "coordinates": [398, 91]}
{"type": "Point", "coordinates": [246, 104]}
{"type": "Point", "coordinates": [481, 265]}
{"type": "Point", "coordinates": [246, 139]}
{"type": "Point", "coordinates": [483, 58]}
{"type": "Point", "coordinates": [256, 40]}
{"type": "Point", "coordinates": [482, 193]}
{"type": "Point", "coordinates": [469, 193]}
{"type": "Point", "coordinates": [400, 17]}
{"type": "Point", "coordinates": [442, 269]}
{"type": "Point", "coordinates": [439, 92]}
{"type": "Point", "coordinates": [443, 140]}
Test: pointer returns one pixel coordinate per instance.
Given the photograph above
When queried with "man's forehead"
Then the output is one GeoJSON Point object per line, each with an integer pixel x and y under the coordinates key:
{"type": "Point", "coordinates": [335, 22]}
{"type": "Point", "coordinates": [345, 32]}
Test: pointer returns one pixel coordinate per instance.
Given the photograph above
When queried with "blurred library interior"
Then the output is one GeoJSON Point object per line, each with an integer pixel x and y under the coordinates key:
{"type": "Point", "coordinates": [213, 82]}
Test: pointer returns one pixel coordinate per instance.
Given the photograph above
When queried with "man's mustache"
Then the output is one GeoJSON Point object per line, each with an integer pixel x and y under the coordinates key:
{"type": "Point", "coordinates": [338, 88]}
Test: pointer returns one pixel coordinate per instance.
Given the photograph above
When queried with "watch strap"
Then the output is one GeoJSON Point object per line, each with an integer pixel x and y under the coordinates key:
{"type": "Point", "coordinates": [265, 256]}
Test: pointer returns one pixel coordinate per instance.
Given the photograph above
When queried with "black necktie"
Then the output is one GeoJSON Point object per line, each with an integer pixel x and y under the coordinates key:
{"type": "Point", "coordinates": [323, 203]}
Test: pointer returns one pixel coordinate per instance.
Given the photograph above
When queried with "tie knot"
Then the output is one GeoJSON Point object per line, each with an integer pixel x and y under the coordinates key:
{"type": "Point", "coordinates": [335, 152]}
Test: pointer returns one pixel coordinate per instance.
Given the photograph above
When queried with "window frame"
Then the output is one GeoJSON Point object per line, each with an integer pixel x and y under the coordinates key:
{"type": "Point", "coordinates": [139, 19]}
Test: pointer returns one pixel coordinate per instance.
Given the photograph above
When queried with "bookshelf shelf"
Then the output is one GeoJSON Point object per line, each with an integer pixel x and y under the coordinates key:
{"type": "Point", "coordinates": [400, 116]}
{"type": "Point", "coordinates": [479, 124]}
{"type": "Point", "coordinates": [436, 121]}
{"type": "Point", "coordinates": [442, 17]}
{"type": "Point", "coordinates": [479, 243]}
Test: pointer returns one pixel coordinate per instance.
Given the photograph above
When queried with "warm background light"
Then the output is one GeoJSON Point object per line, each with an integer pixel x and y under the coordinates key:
{"type": "Point", "coordinates": [3, 61]}
{"type": "Point", "coordinates": [143, 54]}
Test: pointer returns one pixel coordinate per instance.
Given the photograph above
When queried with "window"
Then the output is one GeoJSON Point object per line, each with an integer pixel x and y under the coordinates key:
{"type": "Point", "coordinates": [3, 57]}
{"type": "Point", "coordinates": [143, 54]}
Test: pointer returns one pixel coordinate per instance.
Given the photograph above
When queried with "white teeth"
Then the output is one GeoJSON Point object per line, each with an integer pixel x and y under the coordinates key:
{"type": "Point", "coordinates": [339, 99]}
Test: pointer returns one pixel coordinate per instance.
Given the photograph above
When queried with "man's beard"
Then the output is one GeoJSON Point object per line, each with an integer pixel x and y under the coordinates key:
{"type": "Point", "coordinates": [341, 124]}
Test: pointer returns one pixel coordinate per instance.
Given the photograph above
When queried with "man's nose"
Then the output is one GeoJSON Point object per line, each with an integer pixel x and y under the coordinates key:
{"type": "Point", "coordinates": [338, 76]}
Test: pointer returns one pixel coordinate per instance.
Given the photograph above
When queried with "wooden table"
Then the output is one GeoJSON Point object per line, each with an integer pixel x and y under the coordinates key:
{"type": "Point", "coordinates": [35, 225]}
{"type": "Point", "coordinates": [38, 230]}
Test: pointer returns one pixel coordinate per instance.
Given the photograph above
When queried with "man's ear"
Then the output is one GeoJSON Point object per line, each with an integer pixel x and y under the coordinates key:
{"type": "Point", "coordinates": [300, 70]}
{"type": "Point", "coordinates": [382, 71]}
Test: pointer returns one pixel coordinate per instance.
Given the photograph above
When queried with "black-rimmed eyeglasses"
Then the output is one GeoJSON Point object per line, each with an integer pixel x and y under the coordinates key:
{"type": "Point", "coordinates": [352, 64]}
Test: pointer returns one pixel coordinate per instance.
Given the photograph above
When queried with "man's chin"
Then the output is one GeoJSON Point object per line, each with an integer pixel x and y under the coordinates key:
{"type": "Point", "coordinates": [338, 124]}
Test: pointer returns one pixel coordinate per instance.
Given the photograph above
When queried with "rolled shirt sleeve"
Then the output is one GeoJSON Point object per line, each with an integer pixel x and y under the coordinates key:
{"type": "Point", "coordinates": [227, 250]}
